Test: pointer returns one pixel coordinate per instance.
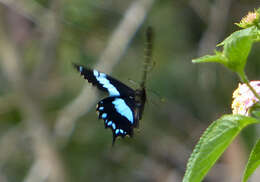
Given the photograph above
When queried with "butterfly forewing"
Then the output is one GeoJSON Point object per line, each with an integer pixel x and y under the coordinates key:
{"type": "Point", "coordinates": [105, 82]}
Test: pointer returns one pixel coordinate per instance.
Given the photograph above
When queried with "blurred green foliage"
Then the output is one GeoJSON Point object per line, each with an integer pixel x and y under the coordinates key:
{"type": "Point", "coordinates": [194, 94]}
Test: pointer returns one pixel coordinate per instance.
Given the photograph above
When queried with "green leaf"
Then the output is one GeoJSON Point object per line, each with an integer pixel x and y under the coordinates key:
{"type": "Point", "coordinates": [248, 32]}
{"type": "Point", "coordinates": [253, 162]}
{"type": "Point", "coordinates": [219, 58]}
{"type": "Point", "coordinates": [255, 110]}
{"type": "Point", "coordinates": [236, 49]}
{"type": "Point", "coordinates": [212, 144]}
{"type": "Point", "coordinates": [258, 10]}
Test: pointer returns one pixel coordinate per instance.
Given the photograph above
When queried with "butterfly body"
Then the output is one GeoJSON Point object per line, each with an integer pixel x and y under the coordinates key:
{"type": "Point", "coordinates": [122, 109]}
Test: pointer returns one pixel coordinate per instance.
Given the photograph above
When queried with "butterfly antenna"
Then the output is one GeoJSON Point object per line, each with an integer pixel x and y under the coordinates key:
{"type": "Point", "coordinates": [148, 53]}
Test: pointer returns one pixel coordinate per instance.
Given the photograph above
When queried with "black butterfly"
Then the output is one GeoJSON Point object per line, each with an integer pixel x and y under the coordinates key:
{"type": "Point", "coordinates": [123, 108]}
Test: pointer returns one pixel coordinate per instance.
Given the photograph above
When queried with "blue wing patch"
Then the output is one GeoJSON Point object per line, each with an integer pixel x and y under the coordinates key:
{"type": "Point", "coordinates": [123, 109]}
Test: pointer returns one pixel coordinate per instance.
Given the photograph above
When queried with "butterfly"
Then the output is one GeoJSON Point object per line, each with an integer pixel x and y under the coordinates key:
{"type": "Point", "coordinates": [123, 108]}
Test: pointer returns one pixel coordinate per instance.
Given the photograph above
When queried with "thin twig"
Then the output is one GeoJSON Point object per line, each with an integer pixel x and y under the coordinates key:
{"type": "Point", "coordinates": [116, 46]}
{"type": "Point", "coordinates": [50, 30]}
{"type": "Point", "coordinates": [31, 10]}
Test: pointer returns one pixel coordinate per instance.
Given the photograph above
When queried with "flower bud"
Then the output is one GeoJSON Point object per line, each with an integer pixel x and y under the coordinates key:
{"type": "Point", "coordinates": [252, 18]}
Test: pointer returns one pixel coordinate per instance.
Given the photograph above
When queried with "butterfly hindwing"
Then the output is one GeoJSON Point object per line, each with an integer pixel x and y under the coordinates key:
{"type": "Point", "coordinates": [118, 114]}
{"type": "Point", "coordinates": [105, 82]}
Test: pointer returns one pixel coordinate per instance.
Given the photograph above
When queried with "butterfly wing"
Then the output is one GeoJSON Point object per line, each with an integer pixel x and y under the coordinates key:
{"type": "Point", "coordinates": [118, 114]}
{"type": "Point", "coordinates": [105, 82]}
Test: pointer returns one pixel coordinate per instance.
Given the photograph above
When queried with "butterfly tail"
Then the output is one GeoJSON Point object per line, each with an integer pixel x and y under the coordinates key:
{"type": "Point", "coordinates": [113, 140]}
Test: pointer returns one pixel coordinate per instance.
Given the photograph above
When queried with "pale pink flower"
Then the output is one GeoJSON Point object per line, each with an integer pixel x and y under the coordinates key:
{"type": "Point", "coordinates": [244, 98]}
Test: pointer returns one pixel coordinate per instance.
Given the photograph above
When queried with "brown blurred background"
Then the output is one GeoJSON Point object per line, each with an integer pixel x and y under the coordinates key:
{"type": "Point", "coordinates": [48, 126]}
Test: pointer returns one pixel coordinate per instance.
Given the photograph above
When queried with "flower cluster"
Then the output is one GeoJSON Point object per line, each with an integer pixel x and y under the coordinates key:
{"type": "Point", "coordinates": [244, 98]}
{"type": "Point", "coordinates": [250, 19]}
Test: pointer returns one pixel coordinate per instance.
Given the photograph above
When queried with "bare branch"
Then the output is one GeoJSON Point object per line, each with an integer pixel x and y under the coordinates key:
{"type": "Point", "coordinates": [50, 29]}
{"type": "Point", "coordinates": [42, 145]}
{"type": "Point", "coordinates": [31, 10]}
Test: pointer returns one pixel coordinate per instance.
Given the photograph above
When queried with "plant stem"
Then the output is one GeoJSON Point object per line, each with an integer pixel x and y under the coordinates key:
{"type": "Point", "coordinates": [244, 79]}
